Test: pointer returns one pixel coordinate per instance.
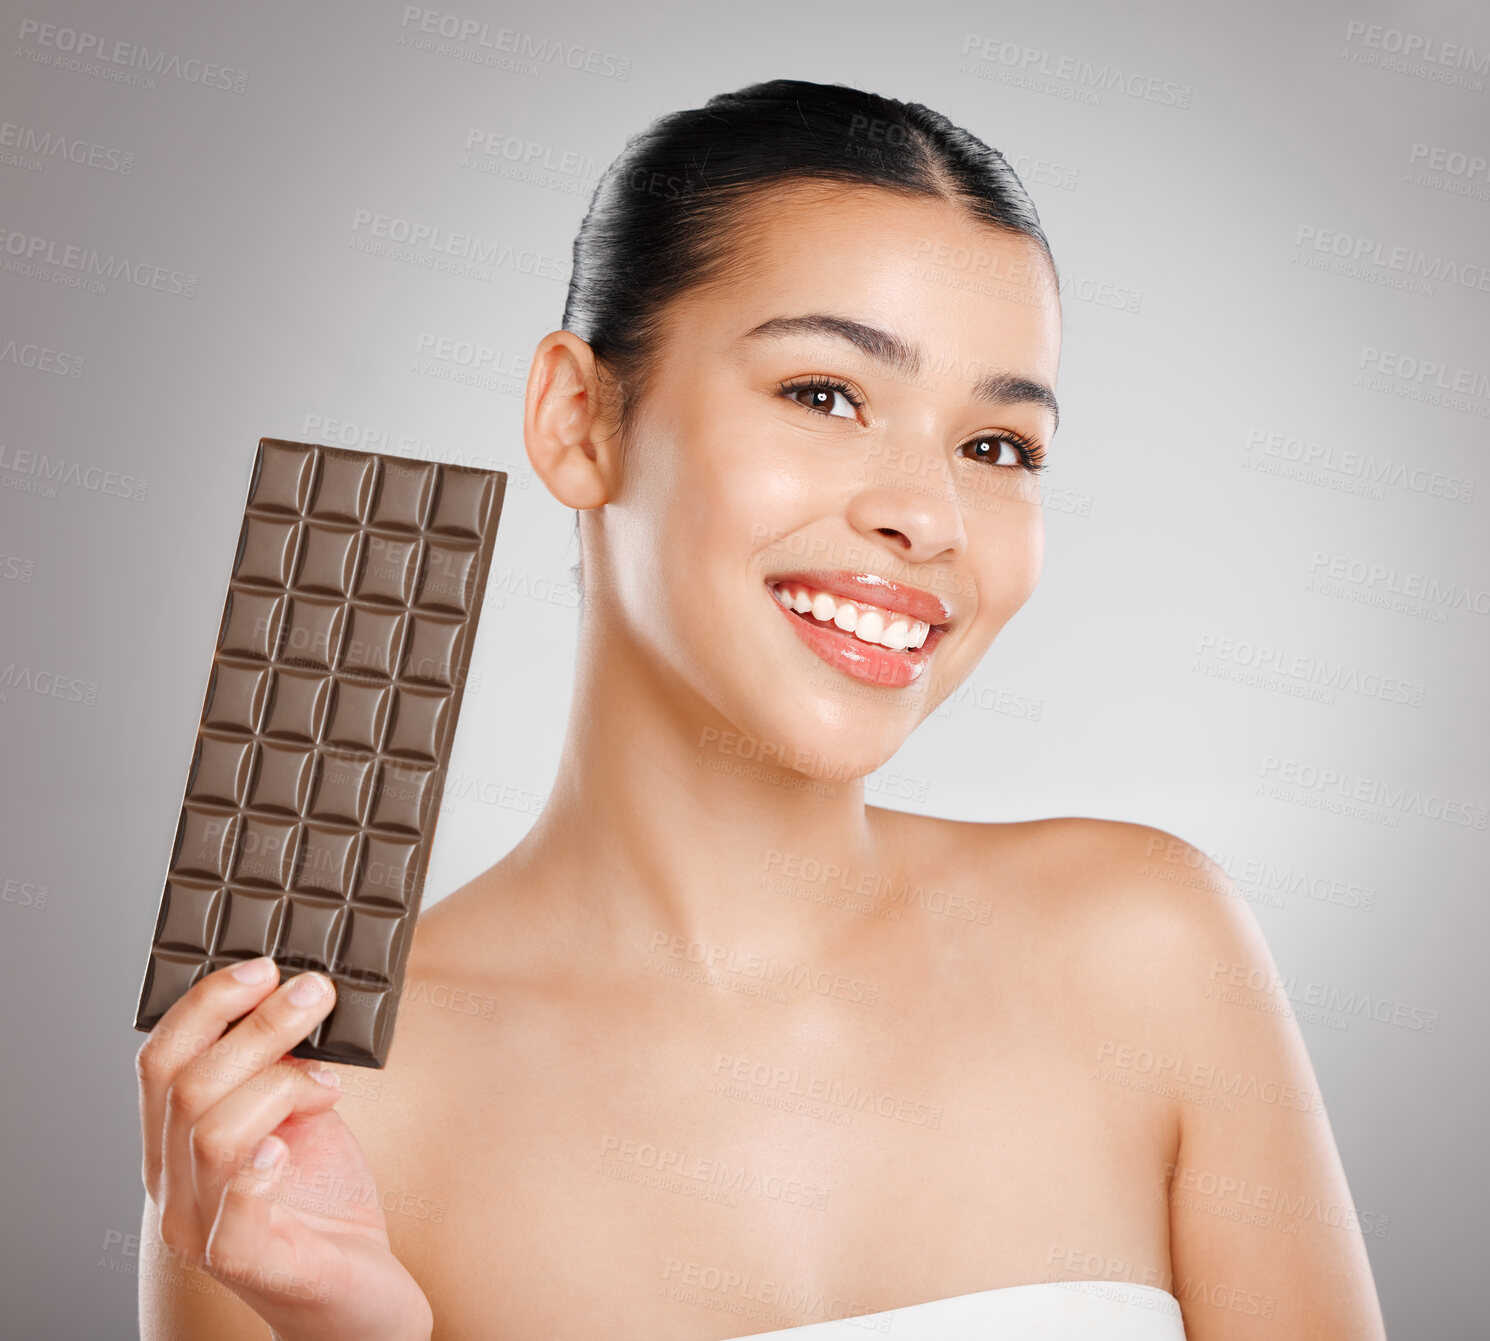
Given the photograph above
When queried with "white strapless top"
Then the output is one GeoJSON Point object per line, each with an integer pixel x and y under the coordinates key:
{"type": "Point", "coordinates": [1082, 1310]}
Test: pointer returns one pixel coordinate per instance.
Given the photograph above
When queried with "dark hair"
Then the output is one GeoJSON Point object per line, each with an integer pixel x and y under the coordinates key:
{"type": "Point", "coordinates": [663, 217]}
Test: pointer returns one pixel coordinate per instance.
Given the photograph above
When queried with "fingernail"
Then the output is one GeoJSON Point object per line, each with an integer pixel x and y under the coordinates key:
{"type": "Point", "coordinates": [329, 1079]}
{"type": "Point", "coordinates": [254, 970]}
{"type": "Point", "coordinates": [308, 988]}
{"type": "Point", "coordinates": [271, 1150]}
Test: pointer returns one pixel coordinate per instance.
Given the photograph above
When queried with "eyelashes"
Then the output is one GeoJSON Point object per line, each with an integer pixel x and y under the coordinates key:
{"type": "Point", "coordinates": [1031, 453]}
{"type": "Point", "coordinates": [827, 385]}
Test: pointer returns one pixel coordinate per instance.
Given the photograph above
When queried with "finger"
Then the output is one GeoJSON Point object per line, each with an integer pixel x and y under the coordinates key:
{"type": "Point", "coordinates": [257, 1042]}
{"type": "Point", "coordinates": [224, 1138]}
{"type": "Point", "coordinates": [191, 1025]}
{"type": "Point", "coordinates": [256, 1247]}
{"type": "Point", "coordinates": [280, 1021]}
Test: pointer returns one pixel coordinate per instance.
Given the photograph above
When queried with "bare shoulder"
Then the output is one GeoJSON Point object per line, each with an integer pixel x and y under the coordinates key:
{"type": "Point", "coordinates": [1130, 868]}
{"type": "Point", "coordinates": [1166, 920]}
{"type": "Point", "coordinates": [1159, 945]}
{"type": "Point", "coordinates": [1156, 921]}
{"type": "Point", "coordinates": [1129, 898]}
{"type": "Point", "coordinates": [1133, 929]}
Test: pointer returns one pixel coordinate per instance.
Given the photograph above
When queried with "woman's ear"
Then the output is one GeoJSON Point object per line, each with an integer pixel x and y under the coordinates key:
{"type": "Point", "coordinates": [570, 441]}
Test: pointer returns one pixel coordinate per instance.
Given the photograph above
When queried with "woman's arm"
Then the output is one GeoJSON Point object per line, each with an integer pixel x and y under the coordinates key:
{"type": "Point", "coordinates": [180, 1302]}
{"type": "Point", "coordinates": [1264, 1237]}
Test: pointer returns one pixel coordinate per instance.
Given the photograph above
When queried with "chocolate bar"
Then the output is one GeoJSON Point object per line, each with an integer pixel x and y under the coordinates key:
{"type": "Point", "coordinates": [314, 789]}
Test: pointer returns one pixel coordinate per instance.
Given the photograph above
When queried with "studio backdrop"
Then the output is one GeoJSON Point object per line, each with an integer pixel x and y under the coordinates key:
{"type": "Point", "coordinates": [1262, 621]}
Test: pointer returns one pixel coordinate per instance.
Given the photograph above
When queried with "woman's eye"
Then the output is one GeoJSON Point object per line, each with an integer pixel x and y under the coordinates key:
{"type": "Point", "coordinates": [823, 400]}
{"type": "Point", "coordinates": [995, 452]}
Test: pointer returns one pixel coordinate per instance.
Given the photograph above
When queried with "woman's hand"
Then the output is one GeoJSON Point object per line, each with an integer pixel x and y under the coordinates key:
{"type": "Point", "coordinates": [255, 1179]}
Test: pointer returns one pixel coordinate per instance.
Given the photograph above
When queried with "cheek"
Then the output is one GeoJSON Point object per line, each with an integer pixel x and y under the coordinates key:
{"type": "Point", "coordinates": [748, 489]}
{"type": "Point", "coordinates": [702, 498]}
{"type": "Point", "coordinates": [1009, 549]}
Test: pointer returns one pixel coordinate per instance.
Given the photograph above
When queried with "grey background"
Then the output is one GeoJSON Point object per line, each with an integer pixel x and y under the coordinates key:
{"type": "Point", "coordinates": [1164, 536]}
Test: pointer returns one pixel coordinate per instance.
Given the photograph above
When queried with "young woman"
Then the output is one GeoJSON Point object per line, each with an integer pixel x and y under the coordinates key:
{"type": "Point", "coordinates": [718, 1049]}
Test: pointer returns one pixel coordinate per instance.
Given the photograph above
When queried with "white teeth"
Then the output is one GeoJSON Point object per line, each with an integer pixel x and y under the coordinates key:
{"type": "Point", "coordinates": [867, 622]}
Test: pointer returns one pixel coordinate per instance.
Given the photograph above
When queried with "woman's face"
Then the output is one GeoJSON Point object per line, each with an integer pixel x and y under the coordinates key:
{"type": "Point", "coordinates": [846, 429]}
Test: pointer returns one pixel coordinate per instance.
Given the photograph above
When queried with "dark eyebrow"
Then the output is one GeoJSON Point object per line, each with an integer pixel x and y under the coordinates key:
{"type": "Point", "coordinates": [887, 348]}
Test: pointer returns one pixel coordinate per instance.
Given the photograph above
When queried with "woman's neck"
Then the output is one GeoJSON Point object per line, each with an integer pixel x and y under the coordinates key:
{"type": "Point", "coordinates": [665, 821]}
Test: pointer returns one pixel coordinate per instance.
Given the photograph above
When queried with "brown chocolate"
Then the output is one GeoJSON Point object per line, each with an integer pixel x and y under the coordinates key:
{"type": "Point", "coordinates": [314, 788]}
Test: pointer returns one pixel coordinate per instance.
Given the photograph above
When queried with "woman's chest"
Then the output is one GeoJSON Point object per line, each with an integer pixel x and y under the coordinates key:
{"type": "Point", "coordinates": [713, 1177]}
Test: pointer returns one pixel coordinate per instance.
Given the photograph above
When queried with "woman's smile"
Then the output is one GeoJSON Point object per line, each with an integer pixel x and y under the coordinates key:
{"type": "Point", "coordinates": [870, 628]}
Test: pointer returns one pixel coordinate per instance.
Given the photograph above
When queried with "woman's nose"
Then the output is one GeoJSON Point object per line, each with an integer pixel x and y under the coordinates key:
{"type": "Point", "coordinates": [919, 516]}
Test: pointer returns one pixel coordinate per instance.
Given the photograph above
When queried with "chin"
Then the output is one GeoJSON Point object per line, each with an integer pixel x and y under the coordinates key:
{"type": "Point", "coordinates": [812, 734]}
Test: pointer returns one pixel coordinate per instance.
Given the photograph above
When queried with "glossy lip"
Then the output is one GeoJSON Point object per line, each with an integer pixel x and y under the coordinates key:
{"type": "Point", "coordinates": [875, 665]}
{"type": "Point", "coordinates": [910, 601]}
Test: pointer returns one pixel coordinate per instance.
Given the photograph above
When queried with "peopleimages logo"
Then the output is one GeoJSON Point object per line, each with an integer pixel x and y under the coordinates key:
{"type": "Point", "coordinates": [1427, 372]}
{"type": "Point", "coordinates": [75, 50]}
{"type": "Point", "coordinates": [436, 248]}
{"type": "Point", "coordinates": [1377, 262]}
{"type": "Point", "coordinates": [13, 568]}
{"type": "Point", "coordinates": [40, 472]}
{"type": "Point", "coordinates": [1340, 791]}
{"type": "Point", "coordinates": [1348, 469]}
{"type": "Point", "coordinates": [41, 358]}
{"type": "Point", "coordinates": [85, 268]}
{"type": "Point", "coordinates": [1466, 390]}
{"type": "Point", "coordinates": [1381, 578]}
{"type": "Point", "coordinates": [788, 974]}
{"type": "Point", "coordinates": [790, 1081]}
{"type": "Point", "coordinates": [1452, 170]}
{"type": "Point", "coordinates": [46, 684]}
{"type": "Point", "coordinates": [518, 152]}
{"type": "Point", "coordinates": [1044, 172]}
{"type": "Point", "coordinates": [26, 144]}
{"type": "Point", "coordinates": [1076, 78]}
{"type": "Point", "coordinates": [1178, 1070]}
{"type": "Point", "coordinates": [470, 355]}
{"type": "Point", "coordinates": [1256, 872]}
{"type": "Point", "coordinates": [22, 893]}
{"type": "Point", "coordinates": [1272, 667]}
{"type": "Point", "coordinates": [486, 45]}
{"type": "Point", "coordinates": [1328, 998]}
{"type": "Point", "coordinates": [1417, 54]}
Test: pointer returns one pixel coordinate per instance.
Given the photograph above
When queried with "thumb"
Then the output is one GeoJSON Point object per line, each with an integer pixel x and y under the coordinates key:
{"type": "Point", "coordinates": [258, 1248]}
